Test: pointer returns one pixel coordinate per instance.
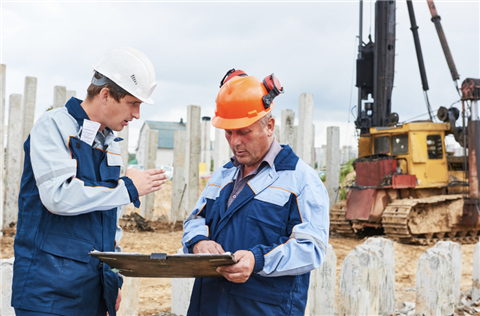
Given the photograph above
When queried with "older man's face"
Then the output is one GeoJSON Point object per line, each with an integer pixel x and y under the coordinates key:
{"type": "Point", "coordinates": [250, 144]}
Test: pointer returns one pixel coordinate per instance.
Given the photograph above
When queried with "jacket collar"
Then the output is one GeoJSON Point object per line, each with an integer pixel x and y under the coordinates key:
{"type": "Point", "coordinates": [75, 109]}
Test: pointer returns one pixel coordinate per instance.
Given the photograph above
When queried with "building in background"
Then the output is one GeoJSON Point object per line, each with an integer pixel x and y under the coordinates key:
{"type": "Point", "coordinates": [348, 153]}
{"type": "Point", "coordinates": [321, 157]}
{"type": "Point", "coordinates": [166, 131]}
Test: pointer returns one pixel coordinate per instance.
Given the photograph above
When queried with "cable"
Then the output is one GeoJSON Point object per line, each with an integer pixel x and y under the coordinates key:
{"type": "Point", "coordinates": [458, 90]}
{"type": "Point", "coordinates": [455, 102]}
{"type": "Point", "coordinates": [351, 88]}
{"type": "Point", "coordinates": [406, 121]}
{"type": "Point", "coordinates": [429, 108]}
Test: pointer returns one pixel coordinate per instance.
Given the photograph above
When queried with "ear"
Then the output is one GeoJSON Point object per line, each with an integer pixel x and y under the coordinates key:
{"type": "Point", "coordinates": [104, 95]}
{"type": "Point", "coordinates": [270, 127]}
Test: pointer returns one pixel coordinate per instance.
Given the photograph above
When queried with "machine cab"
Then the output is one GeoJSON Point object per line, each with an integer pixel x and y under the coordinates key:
{"type": "Point", "coordinates": [417, 149]}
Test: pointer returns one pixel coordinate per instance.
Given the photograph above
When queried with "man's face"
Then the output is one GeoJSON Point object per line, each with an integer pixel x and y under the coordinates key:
{"type": "Point", "coordinates": [119, 114]}
{"type": "Point", "coordinates": [250, 144]}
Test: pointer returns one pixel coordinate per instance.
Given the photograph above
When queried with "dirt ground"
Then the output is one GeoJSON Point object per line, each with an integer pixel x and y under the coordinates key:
{"type": "Point", "coordinates": [155, 293]}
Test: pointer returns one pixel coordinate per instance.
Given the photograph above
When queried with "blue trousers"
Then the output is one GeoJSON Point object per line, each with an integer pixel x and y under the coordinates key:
{"type": "Point", "coordinates": [101, 311]}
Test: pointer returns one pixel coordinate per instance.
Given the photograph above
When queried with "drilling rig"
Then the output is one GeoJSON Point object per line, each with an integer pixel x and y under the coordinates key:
{"type": "Point", "coordinates": [406, 186]}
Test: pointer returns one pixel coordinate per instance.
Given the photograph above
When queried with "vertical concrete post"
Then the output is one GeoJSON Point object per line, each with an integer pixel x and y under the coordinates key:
{"type": "Point", "coordinates": [276, 133]}
{"type": "Point", "coordinates": [305, 126]}
{"type": "Point", "coordinates": [130, 292]}
{"type": "Point", "coordinates": [476, 274]}
{"type": "Point", "coordinates": [333, 163]}
{"type": "Point", "coordinates": [124, 150]}
{"type": "Point", "coordinates": [59, 96]}
{"type": "Point", "coordinates": [359, 282]}
{"type": "Point", "coordinates": [149, 161]}
{"type": "Point", "coordinates": [295, 133]}
{"type": "Point", "coordinates": [192, 156]}
{"type": "Point", "coordinates": [69, 94]}
{"type": "Point", "coordinates": [30, 94]}
{"type": "Point", "coordinates": [386, 287]}
{"type": "Point", "coordinates": [312, 149]}
{"type": "Point", "coordinates": [181, 291]}
{"type": "Point", "coordinates": [6, 275]}
{"type": "Point", "coordinates": [179, 210]}
{"type": "Point", "coordinates": [3, 73]}
{"type": "Point", "coordinates": [434, 281]}
{"type": "Point", "coordinates": [287, 134]}
{"type": "Point", "coordinates": [14, 157]}
{"type": "Point", "coordinates": [221, 152]}
{"type": "Point", "coordinates": [455, 255]}
{"type": "Point", "coordinates": [206, 153]}
{"type": "Point", "coordinates": [321, 294]}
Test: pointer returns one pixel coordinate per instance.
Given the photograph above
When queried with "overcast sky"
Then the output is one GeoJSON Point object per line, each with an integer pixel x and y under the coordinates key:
{"type": "Point", "coordinates": [310, 46]}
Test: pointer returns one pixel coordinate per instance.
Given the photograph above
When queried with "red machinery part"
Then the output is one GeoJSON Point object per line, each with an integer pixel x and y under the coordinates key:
{"type": "Point", "coordinates": [372, 173]}
{"type": "Point", "coordinates": [404, 181]}
{"type": "Point", "coordinates": [366, 204]}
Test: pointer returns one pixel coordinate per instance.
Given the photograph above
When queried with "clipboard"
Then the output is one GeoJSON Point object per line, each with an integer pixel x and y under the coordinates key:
{"type": "Point", "coordinates": [161, 265]}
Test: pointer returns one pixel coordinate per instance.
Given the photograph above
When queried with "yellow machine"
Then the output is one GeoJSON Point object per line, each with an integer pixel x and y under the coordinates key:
{"type": "Point", "coordinates": [407, 186]}
{"type": "Point", "coordinates": [411, 189]}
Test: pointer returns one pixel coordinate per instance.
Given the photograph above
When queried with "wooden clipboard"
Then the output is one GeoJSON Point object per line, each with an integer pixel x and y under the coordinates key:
{"type": "Point", "coordinates": [161, 265]}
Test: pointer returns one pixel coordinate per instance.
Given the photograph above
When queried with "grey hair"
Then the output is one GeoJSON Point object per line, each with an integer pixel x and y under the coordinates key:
{"type": "Point", "coordinates": [264, 120]}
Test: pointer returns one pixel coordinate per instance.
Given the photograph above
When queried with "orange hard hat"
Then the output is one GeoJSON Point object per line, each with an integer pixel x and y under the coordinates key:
{"type": "Point", "coordinates": [243, 100]}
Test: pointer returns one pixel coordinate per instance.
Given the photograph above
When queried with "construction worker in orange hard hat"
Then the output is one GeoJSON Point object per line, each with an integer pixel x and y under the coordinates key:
{"type": "Point", "coordinates": [260, 207]}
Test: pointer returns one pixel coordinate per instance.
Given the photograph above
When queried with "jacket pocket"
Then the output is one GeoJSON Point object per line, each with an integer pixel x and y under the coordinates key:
{"type": "Point", "coordinates": [212, 191]}
{"type": "Point", "coordinates": [268, 216]}
{"type": "Point", "coordinates": [61, 267]}
{"type": "Point", "coordinates": [274, 195]}
{"type": "Point", "coordinates": [255, 298]}
{"type": "Point", "coordinates": [114, 159]}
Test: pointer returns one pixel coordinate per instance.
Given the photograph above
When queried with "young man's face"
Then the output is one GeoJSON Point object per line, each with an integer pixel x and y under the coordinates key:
{"type": "Point", "coordinates": [119, 114]}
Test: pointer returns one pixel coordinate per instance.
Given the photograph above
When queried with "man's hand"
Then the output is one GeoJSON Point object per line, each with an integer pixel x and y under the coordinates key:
{"type": "Point", "coordinates": [147, 181]}
{"type": "Point", "coordinates": [241, 271]}
{"type": "Point", "coordinates": [119, 299]}
{"type": "Point", "coordinates": [208, 246]}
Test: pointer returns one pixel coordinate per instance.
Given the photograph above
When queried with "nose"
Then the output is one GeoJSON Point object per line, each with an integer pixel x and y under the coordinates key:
{"type": "Point", "coordinates": [235, 139]}
{"type": "Point", "coordinates": [136, 112]}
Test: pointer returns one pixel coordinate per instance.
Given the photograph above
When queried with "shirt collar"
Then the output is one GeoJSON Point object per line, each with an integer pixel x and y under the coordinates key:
{"type": "Point", "coordinates": [269, 157]}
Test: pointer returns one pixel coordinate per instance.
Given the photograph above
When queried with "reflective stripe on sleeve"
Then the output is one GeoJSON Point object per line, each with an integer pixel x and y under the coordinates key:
{"type": "Point", "coordinates": [311, 238]}
{"type": "Point", "coordinates": [56, 173]}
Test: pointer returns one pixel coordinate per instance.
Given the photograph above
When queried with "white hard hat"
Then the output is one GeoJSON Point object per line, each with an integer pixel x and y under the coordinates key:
{"type": "Point", "coordinates": [130, 69]}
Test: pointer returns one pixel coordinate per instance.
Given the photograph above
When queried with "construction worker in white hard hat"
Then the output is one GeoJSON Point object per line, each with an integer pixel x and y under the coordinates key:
{"type": "Point", "coordinates": [71, 193]}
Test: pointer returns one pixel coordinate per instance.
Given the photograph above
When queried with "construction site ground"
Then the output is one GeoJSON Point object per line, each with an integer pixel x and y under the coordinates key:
{"type": "Point", "coordinates": [155, 292]}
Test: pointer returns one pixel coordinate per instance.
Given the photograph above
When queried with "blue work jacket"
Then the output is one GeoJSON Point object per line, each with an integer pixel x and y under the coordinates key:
{"type": "Point", "coordinates": [282, 217]}
{"type": "Point", "coordinates": [68, 204]}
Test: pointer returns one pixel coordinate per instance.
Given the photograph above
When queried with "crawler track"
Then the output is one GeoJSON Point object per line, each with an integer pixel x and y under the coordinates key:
{"type": "Point", "coordinates": [434, 218]}
{"type": "Point", "coordinates": [338, 222]}
{"type": "Point", "coordinates": [398, 215]}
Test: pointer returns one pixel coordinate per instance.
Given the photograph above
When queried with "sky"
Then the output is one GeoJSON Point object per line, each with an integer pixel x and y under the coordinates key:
{"type": "Point", "coordinates": [311, 46]}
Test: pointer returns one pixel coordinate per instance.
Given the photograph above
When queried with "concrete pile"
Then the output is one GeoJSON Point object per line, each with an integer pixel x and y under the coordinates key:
{"type": "Point", "coordinates": [465, 307]}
